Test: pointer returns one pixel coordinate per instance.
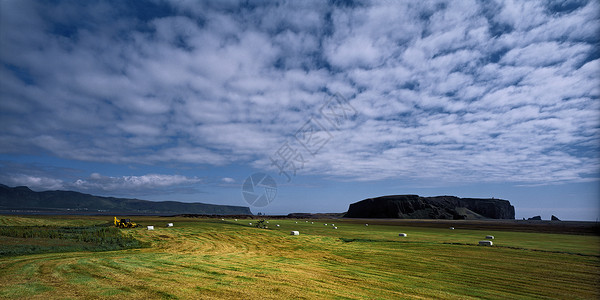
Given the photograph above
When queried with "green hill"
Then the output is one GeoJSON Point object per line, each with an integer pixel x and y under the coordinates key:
{"type": "Point", "coordinates": [23, 199]}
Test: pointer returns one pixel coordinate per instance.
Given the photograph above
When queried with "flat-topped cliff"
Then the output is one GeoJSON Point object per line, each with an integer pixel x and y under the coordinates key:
{"type": "Point", "coordinates": [440, 207]}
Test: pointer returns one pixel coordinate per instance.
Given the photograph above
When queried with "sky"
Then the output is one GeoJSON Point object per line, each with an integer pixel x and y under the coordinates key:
{"type": "Point", "coordinates": [335, 101]}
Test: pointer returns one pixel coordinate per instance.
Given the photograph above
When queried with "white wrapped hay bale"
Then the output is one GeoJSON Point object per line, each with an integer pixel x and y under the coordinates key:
{"type": "Point", "coordinates": [277, 225]}
{"type": "Point", "coordinates": [402, 234]}
{"type": "Point", "coordinates": [334, 227]}
{"type": "Point", "coordinates": [489, 237]}
{"type": "Point", "coordinates": [366, 224]}
{"type": "Point", "coordinates": [249, 223]}
{"type": "Point", "coordinates": [150, 227]}
{"type": "Point", "coordinates": [485, 243]}
{"type": "Point", "coordinates": [325, 224]}
{"type": "Point", "coordinates": [451, 228]}
{"type": "Point", "coordinates": [169, 224]}
{"type": "Point", "coordinates": [295, 233]}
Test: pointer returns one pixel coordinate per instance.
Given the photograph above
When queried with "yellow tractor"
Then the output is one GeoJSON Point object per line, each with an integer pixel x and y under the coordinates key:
{"type": "Point", "coordinates": [125, 223]}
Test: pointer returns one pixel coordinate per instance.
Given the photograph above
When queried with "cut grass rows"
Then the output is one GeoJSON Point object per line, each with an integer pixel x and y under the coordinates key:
{"type": "Point", "coordinates": [211, 259]}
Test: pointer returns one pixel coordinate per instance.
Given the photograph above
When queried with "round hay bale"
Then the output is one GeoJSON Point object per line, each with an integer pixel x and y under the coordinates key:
{"type": "Point", "coordinates": [295, 233]}
{"type": "Point", "coordinates": [150, 227]}
{"type": "Point", "coordinates": [489, 237]}
{"type": "Point", "coordinates": [485, 243]}
{"type": "Point", "coordinates": [402, 234]}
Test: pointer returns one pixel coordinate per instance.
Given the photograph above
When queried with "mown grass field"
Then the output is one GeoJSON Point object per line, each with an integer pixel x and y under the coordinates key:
{"type": "Point", "coordinates": [215, 259]}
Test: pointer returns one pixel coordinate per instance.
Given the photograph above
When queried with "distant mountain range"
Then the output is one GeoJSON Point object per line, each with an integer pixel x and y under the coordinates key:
{"type": "Point", "coordinates": [23, 199]}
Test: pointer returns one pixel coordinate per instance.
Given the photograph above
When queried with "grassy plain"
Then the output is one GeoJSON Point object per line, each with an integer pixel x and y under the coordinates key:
{"type": "Point", "coordinates": [215, 259]}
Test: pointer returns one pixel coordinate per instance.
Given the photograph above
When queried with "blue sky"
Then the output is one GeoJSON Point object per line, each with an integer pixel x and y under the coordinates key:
{"type": "Point", "coordinates": [183, 100]}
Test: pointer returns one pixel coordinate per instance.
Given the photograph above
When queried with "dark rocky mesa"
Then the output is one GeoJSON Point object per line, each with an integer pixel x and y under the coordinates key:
{"type": "Point", "coordinates": [440, 207]}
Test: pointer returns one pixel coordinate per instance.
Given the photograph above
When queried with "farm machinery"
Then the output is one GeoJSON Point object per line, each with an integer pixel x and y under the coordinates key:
{"type": "Point", "coordinates": [125, 223]}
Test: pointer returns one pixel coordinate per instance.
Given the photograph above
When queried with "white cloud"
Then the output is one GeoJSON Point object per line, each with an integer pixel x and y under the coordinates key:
{"type": "Point", "coordinates": [146, 183]}
{"type": "Point", "coordinates": [228, 180]}
{"type": "Point", "coordinates": [36, 183]}
{"type": "Point", "coordinates": [462, 91]}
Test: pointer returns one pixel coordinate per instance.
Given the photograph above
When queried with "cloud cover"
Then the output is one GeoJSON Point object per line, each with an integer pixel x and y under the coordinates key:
{"type": "Point", "coordinates": [459, 91]}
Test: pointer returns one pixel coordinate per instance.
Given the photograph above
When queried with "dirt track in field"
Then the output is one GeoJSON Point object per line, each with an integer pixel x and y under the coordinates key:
{"type": "Point", "coordinates": [565, 227]}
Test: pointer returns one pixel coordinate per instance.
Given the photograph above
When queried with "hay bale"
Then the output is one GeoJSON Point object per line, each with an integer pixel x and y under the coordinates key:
{"type": "Point", "coordinates": [235, 220]}
{"type": "Point", "coordinates": [295, 233]}
{"type": "Point", "coordinates": [489, 237]}
{"type": "Point", "coordinates": [277, 225]}
{"type": "Point", "coordinates": [402, 234]}
{"type": "Point", "coordinates": [451, 228]}
{"type": "Point", "coordinates": [312, 222]}
{"type": "Point", "coordinates": [366, 224]}
{"type": "Point", "coordinates": [169, 224]}
{"type": "Point", "coordinates": [249, 223]}
{"type": "Point", "coordinates": [332, 224]}
{"type": "Point", "coordinates": [485, 243]}
{"type": "Point", "coordinates": [334, 227]}
{"type": "Point", "coordinates": [325, 224]}
{"type": "Point", "coordinates": [150, 227]}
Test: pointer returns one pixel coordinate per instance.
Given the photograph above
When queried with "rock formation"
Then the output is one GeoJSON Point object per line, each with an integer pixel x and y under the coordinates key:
{"type": "Point", "coordinates": [440, 207]}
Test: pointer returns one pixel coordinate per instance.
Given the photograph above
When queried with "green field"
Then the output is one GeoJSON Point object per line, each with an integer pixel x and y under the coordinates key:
{"type": "Point", "coordinates": [215, 259]}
